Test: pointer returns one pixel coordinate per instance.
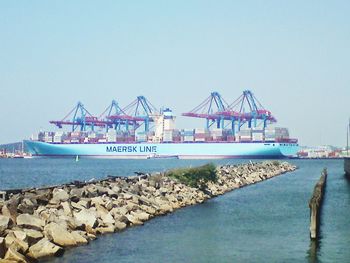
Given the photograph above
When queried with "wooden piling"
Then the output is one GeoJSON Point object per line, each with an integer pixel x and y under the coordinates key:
{"type": "Point", "coordinates": [315, 205]}
{"type": "Point", "coordinates": [347, 166]}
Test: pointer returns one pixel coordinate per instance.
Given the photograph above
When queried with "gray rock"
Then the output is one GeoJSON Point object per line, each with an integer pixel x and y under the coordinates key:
{"type": "Point", "coordinates": [127, 196]}
{"type": "Point", "coordinates": [59, 195]}
{"type": "Point", "coordinates": [116, 189]}
{"type": "Point", "coordinates": [33, 235]}
{"type": "Point", "coordinates": [43, 196]}
{"type": "Point", "coordinates": [79, 238]}
{"type": "Point", "coordinates": [30, 221]}
{"type": "Point", "coordinates": [76, 194]}
{"type": "Point", "coordinates": [84, 203]}
{"type": "Point", "coordinates": [112, 193]}
{"type": "Point", "coordinates": [90, 191]}
{"type": "Point", "coordinates": [119, 225]}
{"type": "Point", "coordinates": [133, 220]}
{"type": "Point", "coordinates": [106, 229]}
{"type": "Point", "coordinates": [4, 223]}
{"type": "Point", "coordinates": [77, 206]}
{"type": "Point", "coordinates": [101, 190]}
{"type": "Point", "coordinates": [165, 208]}
{"type": "Point", "coordinates": [66, 208]}
{"type": "Point", "coordinates": [10, 211]}
{"type": "Point", "coordinates": [44, 248]}
{"type": "Point", "coordinates": [87, 217]}
{"type": "Point", "coordinates": [107, 219]}
{"type": "Point", "coordinates": [109, 205]}
{"type": "Point", "coordinates": [97, 201]}
{"type": "Point", "coordinates": [59, 235]}
{"type": "Point", "coordinates": [13, 255]}
{"type": "Point", "coordinates": [140, 215]}
{"type": "Point", "coordinates": [18, 245]}
{"type": "Point", "coordinates": [20, 234]}
{"type": "Point", "coordinates": [27, 206]}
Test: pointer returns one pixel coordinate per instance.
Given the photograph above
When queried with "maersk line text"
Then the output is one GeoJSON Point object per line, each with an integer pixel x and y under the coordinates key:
{"type": "Point", "coordinates": [131, 149]}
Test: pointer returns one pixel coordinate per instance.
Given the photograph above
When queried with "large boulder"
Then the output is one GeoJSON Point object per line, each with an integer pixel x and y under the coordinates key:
{"type": "Point", "coordinates": [17, 244]}
{"type": "Point", "coordinates": [20, 234]}
{"type": "Point", "coordinates": [43, 196]}
{"type": "Point", "coordinates": [133, 220]}
{"type": "Point", "coordinates": [97, 201]}
{"type": "Point", "coordinates": [119, 225]}
{"type": "Point", "coordinates": [90, 191]}
{"type": "Point", "coordinates": [106, 229]}
{"type": "Point", "coordinates": [44, 248]}
{"type": "Point", "coordinates": [59, 235]}
{"type": "Point", "coordinates": [76, 194]}
{"type": "Point", "coordinates": [27, 206]}
{"type": "Point", "coordinates": [140, 215]}
{"type": "Point", "coordinates": [10, 211]}
{"type": "Point", "coordinates": [30, 221]}
{"type": "Point", "coordinates": [66, 208]}
{"type": "Point", "coordinates": [59, 195]}
{"type": "Point", "coordinates": [79, 238]}
{"type": "Point", "coordinates": [87, 217]}
{"type": "Point", "coordinates": [107, 219]}
{"type": "Point", "coordinates": [165, 208]}
{"type": "Point", "coordinates": [4, 223]}
{"type": "Point", "coordinates": [33, 236]}
{"type": "Point", "coordinates": [13, 255]}
{"type": "Point", "coordinates": [148, 209]}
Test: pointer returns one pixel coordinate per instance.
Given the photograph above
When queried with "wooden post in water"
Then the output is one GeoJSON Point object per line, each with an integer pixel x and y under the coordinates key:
{"type": "Point", "coordinates": [347, 166]}
{"type": "Point", "coordinates": [315, 204]}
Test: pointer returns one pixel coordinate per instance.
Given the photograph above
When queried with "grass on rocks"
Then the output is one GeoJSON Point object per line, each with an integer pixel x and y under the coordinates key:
{"type": "Point", "coordinates": [197, 177]}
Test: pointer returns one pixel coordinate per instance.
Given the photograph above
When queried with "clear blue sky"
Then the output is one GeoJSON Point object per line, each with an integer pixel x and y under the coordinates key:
{"type": "Point", "coordinates": [294, 55]}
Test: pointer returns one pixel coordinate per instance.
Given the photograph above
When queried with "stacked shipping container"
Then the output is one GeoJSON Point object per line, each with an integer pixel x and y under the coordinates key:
{"type": "Point", "coordinates": [170, 135]}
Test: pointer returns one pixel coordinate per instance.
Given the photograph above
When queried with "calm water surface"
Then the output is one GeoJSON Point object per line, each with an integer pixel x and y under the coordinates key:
{"type": "Point", "coordinates": [266, 222]}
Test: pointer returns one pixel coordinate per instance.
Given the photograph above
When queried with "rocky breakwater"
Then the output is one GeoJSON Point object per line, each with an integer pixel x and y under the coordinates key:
{"type": "Point", "coordinates": [39, 223]}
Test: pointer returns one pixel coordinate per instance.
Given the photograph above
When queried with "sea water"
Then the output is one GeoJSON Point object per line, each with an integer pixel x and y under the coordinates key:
{"type": "Point", "coordinates": [264, 222]}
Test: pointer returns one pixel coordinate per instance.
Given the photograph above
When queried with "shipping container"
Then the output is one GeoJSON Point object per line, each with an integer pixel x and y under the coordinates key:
{"type": "Point", "coordinates": [188, 138]}
{"type": "Point", "coordinates": [57, 138]}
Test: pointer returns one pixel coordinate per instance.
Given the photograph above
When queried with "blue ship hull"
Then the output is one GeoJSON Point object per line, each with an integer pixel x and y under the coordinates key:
{"type": "Point", "coordinates": [196, 150]}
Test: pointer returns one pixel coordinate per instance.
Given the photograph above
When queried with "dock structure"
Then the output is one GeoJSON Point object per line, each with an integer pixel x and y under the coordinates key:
{"type": "Point", "coordinates": [315, 204]}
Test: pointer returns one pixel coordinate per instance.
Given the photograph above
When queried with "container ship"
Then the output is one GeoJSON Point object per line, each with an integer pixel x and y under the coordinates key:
{"type": "Point", "coordinates": [243, 129]}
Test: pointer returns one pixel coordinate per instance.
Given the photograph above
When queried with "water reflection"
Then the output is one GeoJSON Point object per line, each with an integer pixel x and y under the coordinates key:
{"type": "Point", "coordinates": [314, 250]}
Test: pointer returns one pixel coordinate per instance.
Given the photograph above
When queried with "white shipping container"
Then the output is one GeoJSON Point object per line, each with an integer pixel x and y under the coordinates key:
{"type": "Point", "coordinates": [188, 138]}
{"type": "Point", "coordinates": [92, 135]}
{"type": "Point", "coordinates": [176, 132]}
{"type": "Point", "coordinates": [167, 133]}
{"type": "Point", "coordinates": [217, 132]}
{"type": "Point", "coordinates": [199, 130]}
{"type": "Point", "coordinates": [111, 139]}
{"type": "Point", "coordinates": [57, 138]}
{"type": "Point", "coordinates": [258, 137]}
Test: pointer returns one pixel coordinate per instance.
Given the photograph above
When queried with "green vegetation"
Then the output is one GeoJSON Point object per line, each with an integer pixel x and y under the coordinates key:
{"type": "Point", "coordinates": [276, 163]}
{"type": "Point", "coordinates": [195, 177]}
